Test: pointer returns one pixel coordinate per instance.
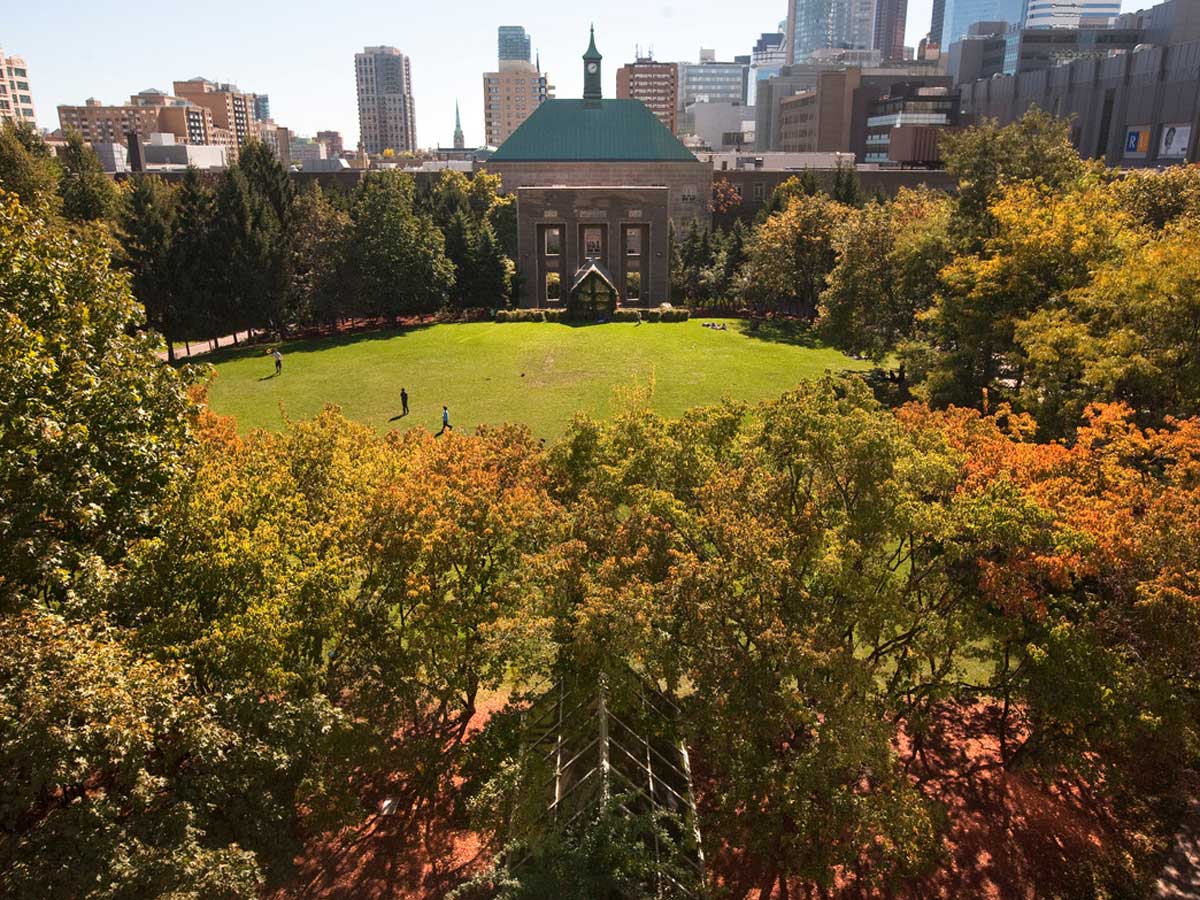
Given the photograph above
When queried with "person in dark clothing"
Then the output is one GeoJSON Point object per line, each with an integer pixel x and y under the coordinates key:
{"type": "Point", "coordinates": [403, 402]}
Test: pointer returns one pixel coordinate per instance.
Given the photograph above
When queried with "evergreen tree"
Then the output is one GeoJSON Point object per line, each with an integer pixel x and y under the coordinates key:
{"type": "Point", "coordinates": [460, 246]}
{"type": "Point", "coordinates": [266, 177]}
{"type": "Point", "coordinates": [192, 260]}
{"type": "Point", "coordinates": [489, 281]}
{"type": "Point", "coordinates": [88, 194]}
{"type": "Point", "coordinates": [247, 239]}
{"type": "Point", "coordinates": [846, 188]}
{"type": "Point", "coordinates": [145, 226]}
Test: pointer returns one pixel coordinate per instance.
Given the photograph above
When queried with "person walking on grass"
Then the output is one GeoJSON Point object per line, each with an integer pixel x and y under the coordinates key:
{"type": "Point", "coordinates": [446, 421]}
{"type": "Point", "coordinates": [278, 361]}
{"type": "Point", "coordinates": [403, 402]}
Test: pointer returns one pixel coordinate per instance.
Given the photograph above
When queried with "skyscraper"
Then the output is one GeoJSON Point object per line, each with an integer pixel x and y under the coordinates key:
{"type": "Point", "coordinates": [1070, 13]}
{"type": "Point", "coordinates": [829, 24]}
{"type": "Point", "coordinates": [513, 43]}
{"type": "Point", "coordinates": [386, 112]}
{"type": "Point", "coordinates": [654, 83]}
{"type": "Point", "coordinates": [962, 14]}
{"type": "Point", "coordinates": [16, 98]}
{"type": "Point", "coordinates": [262, 107]}
{"type": "Point", "coordinates": [889, 28]}
{"type": "Point", "coordinates": [513, 92]}
{"type": "Point", "coordinates": [937, 22]}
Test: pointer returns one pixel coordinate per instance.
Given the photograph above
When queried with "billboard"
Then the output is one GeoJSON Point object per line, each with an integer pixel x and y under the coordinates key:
{"type": "Point", "coordinates": [1137, 141]}
{"type": "Point", "coordinates": [1174, 141]}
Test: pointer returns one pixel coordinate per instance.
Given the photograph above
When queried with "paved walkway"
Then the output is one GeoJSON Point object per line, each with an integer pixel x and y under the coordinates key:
{"type": "Point", "coordinates": [1180, 878]}
{"type": "Point", "coordinates": [199, 348]}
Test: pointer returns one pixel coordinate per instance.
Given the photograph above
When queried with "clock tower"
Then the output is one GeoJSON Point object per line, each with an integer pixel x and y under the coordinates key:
{"type": "Point", "coordinates": [591, 71]}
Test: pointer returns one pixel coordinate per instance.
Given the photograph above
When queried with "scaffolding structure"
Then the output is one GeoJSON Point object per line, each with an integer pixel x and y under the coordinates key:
{"type": "Point", "coordinates": [597, 737]}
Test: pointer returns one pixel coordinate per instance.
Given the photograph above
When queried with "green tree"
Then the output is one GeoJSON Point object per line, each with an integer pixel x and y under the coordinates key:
{"type": "Point", "coordinates": [460, 251]}
{"type": "Point", "coordinates": [88, 194]}
{"type": "Point", "coordinates": [320, 249]}
{"type": "Point", "coordinates": [94, 426]}
{"type": "Point", "coordinates": [250, 284]}
{"type": "Point", "coordinates": [193, 263]}
{"type": "Point", "coordinates": [398, 254]}
{"type": "Point", "coordinates": [490, 275]}
{"type": "Point", "coordinates": [28, 168]}
{"type": "Point", "coordinates": [145, 230]}
{"type": "Point", "coordinates": [792, 253]}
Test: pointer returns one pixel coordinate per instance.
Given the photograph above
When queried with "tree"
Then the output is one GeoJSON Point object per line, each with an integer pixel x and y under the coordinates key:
{"type": "Point", "coordinates": [398, 255]}
{"type": "Point", "coordinates": [250, 284]}
{"type": "Point", "coordinates": [319, 252]}
{"type": "Point", "coordinates": [888, 258]}
{"type": "Point", "coordinates": [490, 275]}
{"type": "Point", "coordinates": [1035, 148]}
{"type": "Point", "coordinates": [193, 264]}
{"type": "Point", "coordinates": [27, 168]}
{"type": "Point", "coordinates": [112, 772]}
{"type": "Point", "coordinates": [88, 194]}
{"type": "Point", "coordinates": [845, 188]}
{"type": "Point", "coordinates": [725, 197]}
{"type": "Point", "coordinates": [460, 251]}
{"type": "Point", "coordinates": [144, 231]}
{"type": "Point", "coordinates": [792, 253]}
{"type": "Point", "coordinates": [95, 428]}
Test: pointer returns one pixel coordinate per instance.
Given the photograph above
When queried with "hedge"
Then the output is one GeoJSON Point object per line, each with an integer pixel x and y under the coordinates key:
{"type": "Point", "coordinates": [623, 314]}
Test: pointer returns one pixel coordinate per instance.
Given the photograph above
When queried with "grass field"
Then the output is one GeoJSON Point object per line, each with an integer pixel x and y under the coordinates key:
{"type": "Point", "coordinates": [534, 373]}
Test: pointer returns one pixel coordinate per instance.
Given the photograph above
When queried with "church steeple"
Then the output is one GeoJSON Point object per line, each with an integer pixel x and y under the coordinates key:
{"type": "Point", "coordinates": [591, 70]}
{"type": "Point", "coordinates": [459, 141]}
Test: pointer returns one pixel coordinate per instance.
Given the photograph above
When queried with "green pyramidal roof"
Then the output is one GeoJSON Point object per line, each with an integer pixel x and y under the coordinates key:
{"type": "Point", "coordinates": [592, 131]}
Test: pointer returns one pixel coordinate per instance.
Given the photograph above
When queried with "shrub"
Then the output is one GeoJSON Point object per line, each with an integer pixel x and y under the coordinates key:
{"type": "Point", "coordinates": [625, 314]}
{"type": "Point", "coordinates": [554, 315]}
{"type": "Point", "coordinates": [652, 315]}
{"type": "Point", "coordinates": [523, 315]}
{"type": "Point", "coordinates": [675, 314]}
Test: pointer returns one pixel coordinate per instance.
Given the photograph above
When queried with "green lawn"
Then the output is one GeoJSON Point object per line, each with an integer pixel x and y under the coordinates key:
{"type": "Point", "coordinates": [536, 373]}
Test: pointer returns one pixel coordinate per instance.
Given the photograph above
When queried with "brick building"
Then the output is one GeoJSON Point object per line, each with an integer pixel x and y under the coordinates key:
{"type": "Point", "coordinates": [654, 83]}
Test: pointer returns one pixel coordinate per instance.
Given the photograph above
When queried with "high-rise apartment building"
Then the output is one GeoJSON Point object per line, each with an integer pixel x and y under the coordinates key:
{"type": "Point", "coordinates": [262, 107]}
{"type": "Point", "coordinates": [386, 112]}
{"type": "Point", "coordinates": [513, 43]}
{"type": "Point", "coordinates": [829, 24]}
{"type": "Point", "coordinates": [149, 112]}
{"type": "Point", "coordinates": [510, 95]}
{"type": "Point", "coordinates": [16, 97]}
{"type": "Point", "coordinates": [232, 109]}
{"type": "Point", "coordinates": [654, 83]}
{"type": "Point", "coordinates": [888, 36]}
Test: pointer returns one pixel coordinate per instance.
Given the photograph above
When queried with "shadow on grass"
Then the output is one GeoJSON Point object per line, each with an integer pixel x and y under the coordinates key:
{"type": "Point", "coordinates": [302, 345]}
{"type": "Point", "coordinates": [795, 332]}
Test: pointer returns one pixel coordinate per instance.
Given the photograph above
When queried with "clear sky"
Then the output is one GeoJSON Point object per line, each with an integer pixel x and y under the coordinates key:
{"type": "Point", "coordinates": [301, 52]}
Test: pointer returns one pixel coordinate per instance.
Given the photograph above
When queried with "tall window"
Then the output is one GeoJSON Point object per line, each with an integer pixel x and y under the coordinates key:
{"type": "Point", "coordinates": [592, 242]}
{"type": "Point", "coordinates": [553, 241]}
{"type": "Point", "coordinates": [633, 241]}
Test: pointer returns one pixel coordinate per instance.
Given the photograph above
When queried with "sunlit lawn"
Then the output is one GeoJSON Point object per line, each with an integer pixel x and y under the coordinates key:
{"type": "Point", "coordinates": [539, 374]}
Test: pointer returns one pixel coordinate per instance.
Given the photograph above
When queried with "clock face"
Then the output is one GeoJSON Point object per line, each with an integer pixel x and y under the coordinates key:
{"type": "Point", "coordinates": [591, 67]}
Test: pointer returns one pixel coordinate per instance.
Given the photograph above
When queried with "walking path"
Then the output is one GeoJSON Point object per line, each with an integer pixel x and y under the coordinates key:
{"type": "Point", "coordinates": [1180, 878]}
{"type": "Point", "coordinates": [199, 348]}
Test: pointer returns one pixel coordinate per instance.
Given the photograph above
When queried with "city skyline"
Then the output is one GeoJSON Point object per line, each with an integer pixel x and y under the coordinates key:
{"type": "Point", "coordinates": [312, 86]}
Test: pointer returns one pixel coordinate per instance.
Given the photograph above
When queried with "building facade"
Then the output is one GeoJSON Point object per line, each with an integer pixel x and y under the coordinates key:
{"type": "Point", "coordinates": [232, 109]}
{"type": "Point", "coordinates": [386, 111]}
{"type": "Point", "coordinates": [654, 83]}
{"type": "Point", "coordinates": [513, 43]}
{"type": "Point", "coordinates": [960, 15]}
{"type": "Point", "coordinates": [906, 125]}
{"type": "Point", "coordinates": [334, 145]}
{"type": "Point", "coordinates": [1133, 109]}
{"type": "Point", "coordinates": [262, 107]}
{"type": "Point", "coordinates": [16, 96]}
{"type": "Point", "coordinates": [510, 95]}
{"type": "Point", "coordinates": [719, 126]}
{"type": "Point", "coordinates": [829, 24]}
{"type": "Point", "coordinates": [888, 33]}
{"type": "Point", "coordinates": [937, 21]}
{"type": "Point", "coordinates": [1071, 13]}
{"type": "Point", "coordinates": [713, 81]}
{"type": "Point", "coordinates": [149, 112]}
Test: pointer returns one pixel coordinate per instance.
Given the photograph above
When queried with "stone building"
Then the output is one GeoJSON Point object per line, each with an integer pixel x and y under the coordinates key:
{"type": "Point", "coordinates": [596, 141]}
{"type": "Point", "coordinates": [598, 184]}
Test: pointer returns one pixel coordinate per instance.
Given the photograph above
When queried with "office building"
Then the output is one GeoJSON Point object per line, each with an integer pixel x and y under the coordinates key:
{"type": "Point", "coordinates": [304, 151]}
{"type": "Point", "coordinates": [937, 22]}
{"type": "Point", "coordinates": [978, 54]}
{"type": "Point", "coordinates": [1031, 49]}
{"type": "Point", "coordinates": [386, 112]}
{"type": "Point", "coordinates": [713, 81]}
{"type": "Point", "coordinates": [1133, 109]}
{"type": "Point", "coordinates": [262, 107]}
{"type": "Point", "coordinates": [232, 110]}
{"type": "Point", "coordinates": [16, 96]}
{"type": "Point", "coordinates": [719, 125]}
{"type": "Point", "coordinates": [654, 83]}
{"type": "Point", "coordinates": [829, 24]}
{"type": "Point", "coordinates": [513, 43]}
{"type": "Point", "coordinates": [1071, 13]}
{"type": "Point", "coordinates": [960, 15]}
{"type": "Point", "coordinates": [906, 125]}
{"type": "Point", "coordinates": [332, 140]}
{"type": "Point", "coordinates": [888, 33]}
{"type": "Point", "coordinates": [510, 95]}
